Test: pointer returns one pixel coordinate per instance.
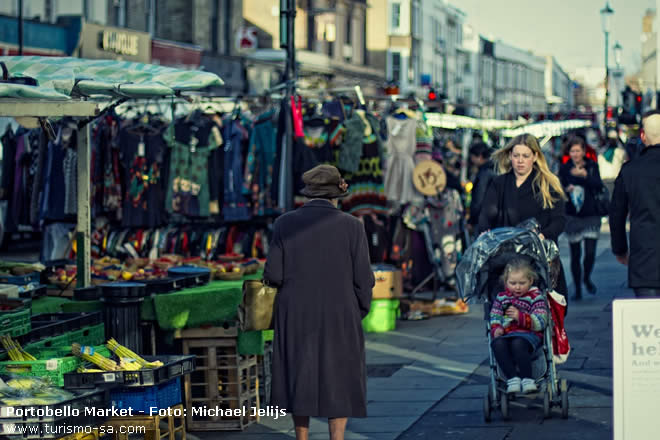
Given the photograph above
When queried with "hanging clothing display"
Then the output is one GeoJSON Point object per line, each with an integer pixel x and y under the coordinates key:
{"type": "Point", "coordinates": [260, 164]}
{"type": "Point", "coordinates": [234, 204]}
{"type": "Point", "coordinates": [188, 191]}
{"type": "Point", "coordinates": [143, 158]}
{"type": "Point", "coordinates": [400, 150]}
{"type": "Point", "coordinates": [366, 188]}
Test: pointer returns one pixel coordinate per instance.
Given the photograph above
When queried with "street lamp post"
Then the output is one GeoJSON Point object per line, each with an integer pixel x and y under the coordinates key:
{"type": "Point", "coordinates": [605, 15]}
{"type": "Point", "coordinates": [617, 54]}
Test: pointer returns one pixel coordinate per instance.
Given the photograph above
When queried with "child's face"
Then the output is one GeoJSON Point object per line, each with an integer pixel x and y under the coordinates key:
{"type": "Point", "coordinates": [518, 283]}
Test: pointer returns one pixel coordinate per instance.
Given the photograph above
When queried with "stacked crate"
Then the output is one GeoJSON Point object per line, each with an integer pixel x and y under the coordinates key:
{"type": "Point", "coordinates": [223, 380]}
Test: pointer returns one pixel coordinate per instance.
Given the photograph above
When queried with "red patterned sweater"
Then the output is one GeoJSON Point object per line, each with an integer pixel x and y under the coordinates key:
{"type": "Point", "coordinates": [533, 313]}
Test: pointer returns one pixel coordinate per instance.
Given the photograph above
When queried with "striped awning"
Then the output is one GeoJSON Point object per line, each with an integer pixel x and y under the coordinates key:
{"type": "Point", "coordinates": [63, 78]}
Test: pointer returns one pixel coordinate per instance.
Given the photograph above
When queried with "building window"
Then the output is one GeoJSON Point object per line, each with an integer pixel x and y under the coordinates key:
{"type": "Point", "coordinates": [467, 67]}
{"type": "Point", "coordinates": [396, 16]}
{"type": "Point", "coordinates": [396, 67]}
{"type": "Point", "coordinates": [349, 27]}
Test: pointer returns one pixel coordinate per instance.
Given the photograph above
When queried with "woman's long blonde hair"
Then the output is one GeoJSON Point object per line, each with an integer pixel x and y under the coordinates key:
{"type": "Point", "coordinates": [544, 181]}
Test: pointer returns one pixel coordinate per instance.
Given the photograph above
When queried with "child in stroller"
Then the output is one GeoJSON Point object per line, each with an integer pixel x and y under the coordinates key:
{"type": "Point", "coordinates": [479, 276]}
{"type": "Point", "coordinates": [518, 317]}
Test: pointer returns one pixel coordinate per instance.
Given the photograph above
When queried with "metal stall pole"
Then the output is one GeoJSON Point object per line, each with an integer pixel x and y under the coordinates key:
{"type": "Point", "coordinates": [83, 228]}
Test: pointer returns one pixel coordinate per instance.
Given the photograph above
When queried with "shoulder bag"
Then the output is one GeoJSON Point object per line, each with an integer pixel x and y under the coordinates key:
{"type": "Point", "coordinates": [255, 312]}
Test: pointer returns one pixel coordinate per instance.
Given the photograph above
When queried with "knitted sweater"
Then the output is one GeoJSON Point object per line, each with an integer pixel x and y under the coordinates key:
{"type": "Point", "coordinates": [533, 313]}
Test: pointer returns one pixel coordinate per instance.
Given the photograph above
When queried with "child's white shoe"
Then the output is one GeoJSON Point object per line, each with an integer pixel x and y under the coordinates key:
{"type": "Point", "coordinates": [513, 385]}
{"type": "Point", "coordinates": [529, 386]}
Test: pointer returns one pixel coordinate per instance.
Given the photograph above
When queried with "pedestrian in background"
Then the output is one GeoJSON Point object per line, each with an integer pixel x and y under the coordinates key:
{"type": "Point", "coordinates": [525, 189]}
{"type": "Point", "coordinates": [611, 160]}
{"type": "Point", "coordinates": [319, 260]}
{"type": "Point", "coordinates": [581, 181]}
{"type": "Point", "coordinates": [636, 193]}
{"type": "Point", "coordinates": [480, 157]}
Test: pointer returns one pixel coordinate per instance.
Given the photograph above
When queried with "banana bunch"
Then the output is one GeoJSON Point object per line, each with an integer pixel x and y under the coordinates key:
{"type": "Point", "coordinates": [14, 350]}
{"type": "Point", "coordinates": [129, 357]}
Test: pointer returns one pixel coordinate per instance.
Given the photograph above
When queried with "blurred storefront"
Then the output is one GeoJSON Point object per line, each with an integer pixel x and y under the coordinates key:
{"type": "Point", "coordinates": [106, 42]}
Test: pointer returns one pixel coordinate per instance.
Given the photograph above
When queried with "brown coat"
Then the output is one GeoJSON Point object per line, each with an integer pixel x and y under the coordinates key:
{"type": "Point", "coordinates": [319, 259]}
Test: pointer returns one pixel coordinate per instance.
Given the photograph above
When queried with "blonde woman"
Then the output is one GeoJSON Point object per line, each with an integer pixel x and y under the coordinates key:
{"type": "Point", "coordinates": [525, 188]}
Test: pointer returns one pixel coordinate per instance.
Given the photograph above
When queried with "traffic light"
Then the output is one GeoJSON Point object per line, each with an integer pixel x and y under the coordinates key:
{"type": "Point", "coordinates": [638, 104]}
{"type": "Point", "coordinates": [432, 96]}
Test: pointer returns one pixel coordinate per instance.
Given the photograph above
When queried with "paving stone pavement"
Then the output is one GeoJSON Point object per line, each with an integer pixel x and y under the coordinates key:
{"type": "Point", "coordinates": [427, 378]}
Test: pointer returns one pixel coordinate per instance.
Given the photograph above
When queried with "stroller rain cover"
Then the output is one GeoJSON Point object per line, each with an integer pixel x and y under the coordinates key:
{"type": "Point", "coordinates": [522, 240]}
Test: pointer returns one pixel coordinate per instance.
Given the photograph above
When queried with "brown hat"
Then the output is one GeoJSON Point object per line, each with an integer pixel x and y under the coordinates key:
{"type": "Point", "coordinates": [325, 182]}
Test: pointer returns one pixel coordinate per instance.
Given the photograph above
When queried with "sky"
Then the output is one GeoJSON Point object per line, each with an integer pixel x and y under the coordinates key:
{"type": "Point", "coordinates": [568, 29]}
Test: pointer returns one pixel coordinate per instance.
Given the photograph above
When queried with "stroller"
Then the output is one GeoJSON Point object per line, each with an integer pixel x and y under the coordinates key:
{"type": "Point", "coordinates": [478, 276]}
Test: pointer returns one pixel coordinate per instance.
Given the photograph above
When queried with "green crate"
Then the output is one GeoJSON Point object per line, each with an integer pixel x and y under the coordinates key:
{"type": "Point", "coordinates": [15, 320]}
{"type": "Point", "coordinates": [52, 363]}
{"type": "Point", "coordinates": [382, 316]}
{"type": "Point", "coordinates": [54, 341]}
{"type": "Point", "coordinates": [90, 335]}
{"type": "Point", "coordinates": [17, 330]}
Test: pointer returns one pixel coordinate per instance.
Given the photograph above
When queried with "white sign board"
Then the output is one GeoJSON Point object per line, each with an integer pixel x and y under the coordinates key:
{"type": "Point", "coordinates": [636, 334]}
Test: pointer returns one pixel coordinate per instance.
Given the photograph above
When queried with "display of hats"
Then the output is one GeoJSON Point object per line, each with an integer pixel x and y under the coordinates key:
{"type": "Point", "coordinates": [429, 178]}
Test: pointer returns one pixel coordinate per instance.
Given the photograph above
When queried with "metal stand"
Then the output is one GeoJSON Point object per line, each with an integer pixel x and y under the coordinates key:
{"type": "Point", "coordinates": [52, 109]}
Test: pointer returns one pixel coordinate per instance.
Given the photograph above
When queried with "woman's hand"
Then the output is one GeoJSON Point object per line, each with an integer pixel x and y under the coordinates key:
{"type": "Point", "coordinates": [570, 188]}
{"type": "Point", "coordinates": [579, 172]}
{"type": "Point", "coordinates": [512, 313]}
{"type": "Point", "coordinates": [498, 332]}
{"type": "Point", "coordinates": [541, 236]}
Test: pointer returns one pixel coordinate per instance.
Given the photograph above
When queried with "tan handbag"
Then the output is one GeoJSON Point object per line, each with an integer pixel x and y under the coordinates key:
{"type": "Point", "coordinates": [256, 309]}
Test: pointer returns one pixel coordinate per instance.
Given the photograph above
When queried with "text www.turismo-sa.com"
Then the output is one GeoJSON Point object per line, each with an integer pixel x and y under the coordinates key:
{"type": "Point", "coordinates": [35, 429]}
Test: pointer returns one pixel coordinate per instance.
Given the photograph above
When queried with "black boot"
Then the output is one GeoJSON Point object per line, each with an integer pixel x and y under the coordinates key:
{"type": "Point", "coordinates": [591, 287]}
{"type": "Point", "coordinates": [578, 294]}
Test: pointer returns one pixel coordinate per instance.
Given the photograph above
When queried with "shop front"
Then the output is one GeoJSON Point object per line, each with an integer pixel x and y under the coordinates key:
{"type": "Point", "coordinates": [105, 42]}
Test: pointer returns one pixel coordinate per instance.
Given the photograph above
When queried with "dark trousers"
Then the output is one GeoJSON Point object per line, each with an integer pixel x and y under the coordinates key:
{"type": "Point", "coordinates": [576, 263]}
{"type": "Point", "coordinates": [511, 353]}
{"type": "Point", "coordinates": [647, 292]}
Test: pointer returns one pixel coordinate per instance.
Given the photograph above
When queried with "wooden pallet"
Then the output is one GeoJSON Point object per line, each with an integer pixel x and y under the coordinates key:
{"type": "Point", "coordinates": [151, 425]}
{"type": "Point", "coordinates": [223, 379]}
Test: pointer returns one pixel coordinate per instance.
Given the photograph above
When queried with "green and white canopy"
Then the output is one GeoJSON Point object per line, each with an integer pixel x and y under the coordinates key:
{"type": "Point", "coordinates": [60, 78]}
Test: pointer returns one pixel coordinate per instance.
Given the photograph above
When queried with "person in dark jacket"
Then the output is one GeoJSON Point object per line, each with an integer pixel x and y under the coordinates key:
{"type": "Point", "coordinates": [480, 156]}
{"type": "Point", "coordinates": [636, 194]}
{"type": "Point", "coordinates": [525, 189]}
{"type": "Point", "coordinates": [319, 260]}
{"type": "Point", "coordinates": [580, 178]}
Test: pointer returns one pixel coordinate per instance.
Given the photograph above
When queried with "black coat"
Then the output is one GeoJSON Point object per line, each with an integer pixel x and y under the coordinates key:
{"type": "Point", "coordinates": [507, 205]}
{"type": "Point", "coordinates": [482, 182]}
{"type": "Point", "coordinates": [592, 184]}
{"type": "Point", "coordinates": [319, 259]}
{"type": "Point", "coordinates": [637, 192]}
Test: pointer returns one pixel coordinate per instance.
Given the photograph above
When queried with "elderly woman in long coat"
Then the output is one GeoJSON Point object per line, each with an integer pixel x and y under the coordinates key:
{"type": "Point", "coordinates": [319, 260]}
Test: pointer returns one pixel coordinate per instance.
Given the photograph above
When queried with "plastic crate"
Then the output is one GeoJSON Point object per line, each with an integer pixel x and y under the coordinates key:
{"type": "Point", "coordinates": [21, 280]}
{"type": "Point", "coordinates": [55, 341]}
{"type": "Point", "coordinates": [52, 324]}
{"type": "Point", "coordinates": [141, 399]}
{"type": "Point", "coordinates": [15, 321]}
{"type": "Point", "coordinates": [174, 366]}
{"type": "Point", "coordinates": [52, 363]}
{"type": "Point", "coordinates": [382, 316]}
{"type": "Point", "coordinates": [92, 335]}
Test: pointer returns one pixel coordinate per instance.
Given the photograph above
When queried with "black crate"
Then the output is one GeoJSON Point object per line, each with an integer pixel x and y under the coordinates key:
{"type": "Point", "coordinates": [53, 324]}
{"type": "Point", "coordinates": [174, 366]}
